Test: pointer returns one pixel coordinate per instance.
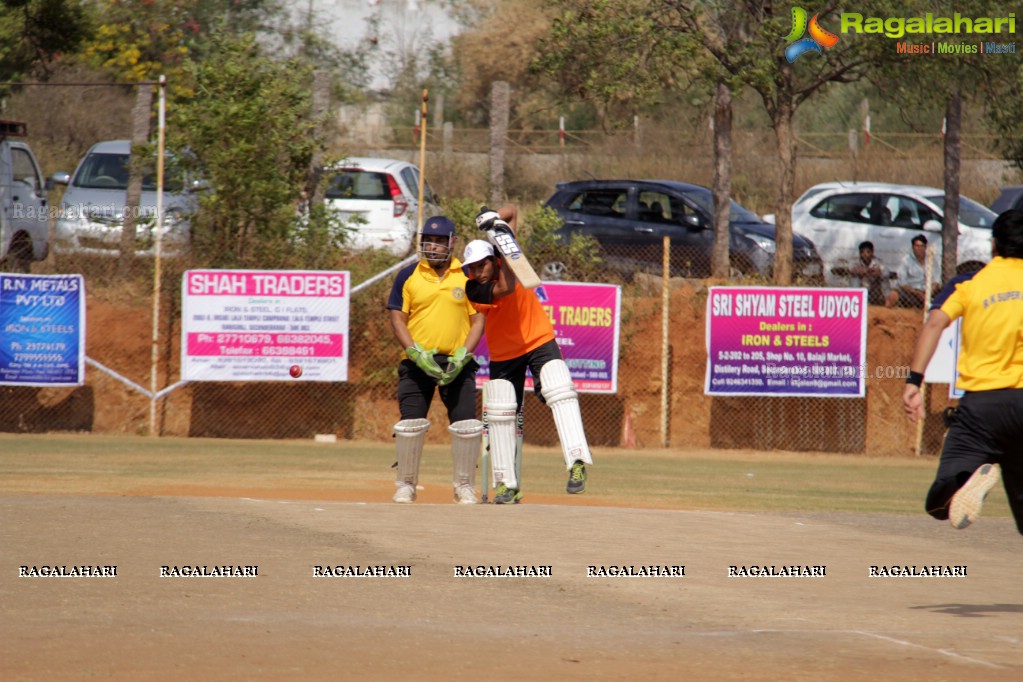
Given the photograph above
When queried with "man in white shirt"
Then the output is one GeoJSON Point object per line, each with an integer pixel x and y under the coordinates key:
{"type": "Point", "coordinates": [912, 277]}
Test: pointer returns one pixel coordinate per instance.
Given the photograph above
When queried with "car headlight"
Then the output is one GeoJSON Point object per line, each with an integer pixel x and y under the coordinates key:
{"type": "Point", "coordinates": [766, 243]}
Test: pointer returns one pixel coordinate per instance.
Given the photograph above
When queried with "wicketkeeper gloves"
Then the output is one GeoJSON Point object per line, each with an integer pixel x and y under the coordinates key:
{"type": "Point", "coordinates": [424, 360]}
{"type": "Point", "coordinates": [456, 363]}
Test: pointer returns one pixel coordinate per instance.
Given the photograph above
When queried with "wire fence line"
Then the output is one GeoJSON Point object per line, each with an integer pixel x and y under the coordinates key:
{"type": "Point", "coordinates": [646, 412]}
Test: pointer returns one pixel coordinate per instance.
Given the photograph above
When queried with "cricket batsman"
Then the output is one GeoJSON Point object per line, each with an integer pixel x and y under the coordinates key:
{"type": "Point", "coordinates": [520, 336]}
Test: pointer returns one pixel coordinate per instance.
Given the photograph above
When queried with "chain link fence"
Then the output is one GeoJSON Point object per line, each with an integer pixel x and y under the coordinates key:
{"type": "Point", "coordinates": [646, 412]}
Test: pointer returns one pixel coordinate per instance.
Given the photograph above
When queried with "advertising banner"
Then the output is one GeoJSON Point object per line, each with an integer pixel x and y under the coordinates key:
{"type": "Point", "coordinates": [766, 341]}
{"type": "Point", "coordinates": [587, 321]}
{"type": "Point", "coordinates": [42, 330]}
{"type": "Point", "coordinates": [264, 325]}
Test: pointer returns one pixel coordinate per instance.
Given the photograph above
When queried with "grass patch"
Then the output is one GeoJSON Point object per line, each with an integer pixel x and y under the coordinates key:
{"type": "Point", "coordinates": [720, 480]}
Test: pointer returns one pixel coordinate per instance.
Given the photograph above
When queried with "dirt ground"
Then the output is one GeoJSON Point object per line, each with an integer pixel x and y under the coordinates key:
{"type": "Point", "coordinates": [285, 623]}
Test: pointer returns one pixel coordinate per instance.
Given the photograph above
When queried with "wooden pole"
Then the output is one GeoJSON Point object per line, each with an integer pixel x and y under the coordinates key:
{"type": "Point", "coordinates": [155, 349]}
{"type": "Point", "coordinates": [665, 345]}
{"type": "Point", "coordinates": [422, 159]}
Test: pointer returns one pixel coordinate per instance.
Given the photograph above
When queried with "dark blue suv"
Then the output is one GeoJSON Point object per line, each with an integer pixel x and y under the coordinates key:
{"type": "Point", "coordinates": [629, 218]}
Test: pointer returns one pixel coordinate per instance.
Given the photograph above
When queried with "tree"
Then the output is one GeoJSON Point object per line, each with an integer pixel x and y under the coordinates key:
{"type": "Point", "coordinates": [248, 131]}
{"type": "Point", "coordinates": [621, 51]}
{"type": "Point", "coordinates": [38, 32]}
{"type": "Point", "coordinates": [944, 82]}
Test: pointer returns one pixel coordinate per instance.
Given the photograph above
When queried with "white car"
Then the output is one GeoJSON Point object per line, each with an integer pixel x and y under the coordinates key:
{"type": "Point", "coordinates": [378, 200]}
{"type": "Point", "coordinates": [837, 216]}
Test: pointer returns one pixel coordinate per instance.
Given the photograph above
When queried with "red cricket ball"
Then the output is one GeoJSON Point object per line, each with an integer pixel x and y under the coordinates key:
{"type": "Point", "coordinates": [296, 371]}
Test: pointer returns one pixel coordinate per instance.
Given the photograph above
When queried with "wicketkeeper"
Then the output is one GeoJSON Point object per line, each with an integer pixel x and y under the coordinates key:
{"type": "Point", "coordinates": [438, 329]}
{"type": "Point", "coordinates": [520, 336]}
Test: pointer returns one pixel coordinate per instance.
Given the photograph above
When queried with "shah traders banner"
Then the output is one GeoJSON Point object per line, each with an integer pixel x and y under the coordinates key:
{"type": "Point", "coordinates": [264, 325]}
{"type": "Point", "coordinates": [764, 341]}
{"type": "Point", "coordinates": [42, 330]}
{"type": "Point", "coordinates": [587, 321]}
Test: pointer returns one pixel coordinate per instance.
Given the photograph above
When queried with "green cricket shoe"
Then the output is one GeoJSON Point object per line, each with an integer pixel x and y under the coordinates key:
{"type": "Point", "coordinates": [576, 478]}
{"type": "Point", "coordinates": [505, 495]}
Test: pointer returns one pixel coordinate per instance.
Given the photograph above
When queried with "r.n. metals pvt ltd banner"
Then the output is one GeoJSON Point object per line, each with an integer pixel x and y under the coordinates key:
{"type": "Point", "coordinates": [586, 320]}
{"type": "Point", "coordinates": [42, 330]}
{"type": "Point", "coordinates": [765, 341]}
{"type": "Point", "coordinates": [264, 325]}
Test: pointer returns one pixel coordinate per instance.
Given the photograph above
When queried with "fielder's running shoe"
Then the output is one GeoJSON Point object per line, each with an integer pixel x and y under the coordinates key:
{"type": "Point", "coordinates": [405, 494]}
{"type": "Point", "coordinates": [966, 503]}
{"type": "Point", "coordinates": [505, 495]}
{"type": "Point", "coordinates": [576, 478]}
{"type": "Point", "coordinates": [464, 494]}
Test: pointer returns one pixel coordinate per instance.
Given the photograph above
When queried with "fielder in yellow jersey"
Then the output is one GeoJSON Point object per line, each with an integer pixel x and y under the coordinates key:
{"type": "Point", "coordinates": [985, 436]}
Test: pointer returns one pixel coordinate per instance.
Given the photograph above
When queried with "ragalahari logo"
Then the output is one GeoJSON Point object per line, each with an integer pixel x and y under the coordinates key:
{"type": "Point", "coordinates": [818, 38]}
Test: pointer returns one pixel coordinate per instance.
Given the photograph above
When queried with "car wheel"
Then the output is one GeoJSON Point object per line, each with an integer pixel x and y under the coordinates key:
{"type": "Point", "coordinates": [554, 271]}
{"type": "Point", "coordinates": [19, 258]}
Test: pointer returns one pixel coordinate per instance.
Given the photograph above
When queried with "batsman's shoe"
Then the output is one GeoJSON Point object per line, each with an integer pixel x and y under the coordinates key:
{"type": "Point", "coordinates": [576, 478]}
{"type": "Point", "coordinates": [966, 503]}
{"type": "Point", "coordinates": [505, 495]}
{"type": "Point", "coordinates": [405, 494]}
{"type": "Point", "coordinates": [464, 494]}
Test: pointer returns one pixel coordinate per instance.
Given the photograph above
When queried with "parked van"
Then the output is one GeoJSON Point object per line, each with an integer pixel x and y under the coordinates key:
{"type": "Point", "coordinates": [92, 211]}
{"type": "Point", "coordinates": [24, 215]}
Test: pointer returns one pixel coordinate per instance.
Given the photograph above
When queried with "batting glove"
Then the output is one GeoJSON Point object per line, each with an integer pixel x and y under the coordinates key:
{"type": "Point", "coordinates": [485, 218]}
{"type": "Point", "coordinates": [456, 363]}
{"type": "Point", "coordinates": [424, 360]}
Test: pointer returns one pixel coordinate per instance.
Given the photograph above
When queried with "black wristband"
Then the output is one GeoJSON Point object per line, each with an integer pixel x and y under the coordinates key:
{"type": "Point", "coordinates": [915, 378]}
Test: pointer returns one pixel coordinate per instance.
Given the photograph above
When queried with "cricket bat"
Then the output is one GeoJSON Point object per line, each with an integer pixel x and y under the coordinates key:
{"type": "Point", "coordinates": [500, 235]}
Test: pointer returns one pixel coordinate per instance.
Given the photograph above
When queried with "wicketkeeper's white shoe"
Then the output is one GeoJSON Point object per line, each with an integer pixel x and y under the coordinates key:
{"type": "Point", "coordinates": [464, 494]}
{"type": "Point", "coordinates": [966, 503]}
{"type": "Point", "coordinates": [405, 494]}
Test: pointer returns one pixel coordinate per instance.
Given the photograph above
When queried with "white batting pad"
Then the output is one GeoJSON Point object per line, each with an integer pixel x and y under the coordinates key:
{"type": "Point", "coordinates": [409, 436]}
{"type": "Point", "coordinates": [499, 410]}
{"type": "Point", "coordinates": [466, 437]}
{"type": "Point", "coordinates": [559, 392]}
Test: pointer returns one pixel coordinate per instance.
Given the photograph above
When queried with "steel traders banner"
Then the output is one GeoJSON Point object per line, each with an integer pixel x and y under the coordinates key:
{"type": "Point", "coordinates": [263, 325]}
{"type": "Point", "coordinates": [42, 330]}
{"type": "Point", "coordinates": [786, 342]}
{"type": "Point", "coordinates": [587, 321]}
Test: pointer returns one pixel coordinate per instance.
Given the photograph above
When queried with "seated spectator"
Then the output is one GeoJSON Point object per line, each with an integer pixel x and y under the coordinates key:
{"type": "Point", "coordinates": [910, 292]}
{"type": "Point", "coordinates": [868, 272]}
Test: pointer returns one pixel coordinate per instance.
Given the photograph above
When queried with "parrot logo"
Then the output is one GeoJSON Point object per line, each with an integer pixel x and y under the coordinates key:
{"type": "Point", "coordinates": [818, 38]}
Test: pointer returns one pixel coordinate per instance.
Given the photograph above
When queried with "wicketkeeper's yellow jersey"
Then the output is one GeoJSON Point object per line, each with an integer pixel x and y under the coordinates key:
{"type": "Point", "coordinates": [438, 308]}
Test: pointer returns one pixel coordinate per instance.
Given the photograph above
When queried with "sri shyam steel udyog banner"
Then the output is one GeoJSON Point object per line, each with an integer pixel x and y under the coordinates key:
{"type": "Point", "coordinates": [587, 321]}
{"type": "Point", "coordinates": [766, 341]}
{"type": "Point", "coordinates": [264, 325]}
{"type": "Point", "coordinates": [42, 330]}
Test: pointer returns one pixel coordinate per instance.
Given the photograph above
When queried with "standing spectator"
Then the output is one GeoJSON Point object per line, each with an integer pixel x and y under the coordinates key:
{"type": "Point", "coordinates": [432, 319]}
{"type": "Point", "coordinates": [985, 435]}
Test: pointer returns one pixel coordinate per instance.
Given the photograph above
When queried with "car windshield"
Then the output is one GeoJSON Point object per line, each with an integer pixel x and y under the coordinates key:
{"type": "Point", "coordinates": [358, 184]}
{"type": "Point", "coordinates": [110, 171]}
{"type": "Point", "coordinates": [738, 214]}
{"type": "Point", "coordinates": [971, 213]}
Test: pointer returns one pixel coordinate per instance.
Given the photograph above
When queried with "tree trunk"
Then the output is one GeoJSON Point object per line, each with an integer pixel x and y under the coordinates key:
{"type": "Point", "coordinates": [315, 191]}
{"type": "Point", "coordinates": [782, 121]}
{"type": "Point", "coordinates": [139, 137]}
{"type": "Point", "coordinates": [953, 149]}
{"type": "Point", "coordinates": [722, 181]}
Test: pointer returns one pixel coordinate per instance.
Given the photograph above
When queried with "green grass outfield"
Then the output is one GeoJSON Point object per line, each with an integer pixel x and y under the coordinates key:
{"type": "Point", "coordinates": [724, 480]}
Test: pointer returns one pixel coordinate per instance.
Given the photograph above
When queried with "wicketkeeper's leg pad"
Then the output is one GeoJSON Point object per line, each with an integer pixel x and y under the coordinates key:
{"type": "Point", "coordinates": [466, 438]}
{"type": "Point", "coordinates": [560, 394]}
{"type": "Point", "coordinates": [501, 409]}
{"type": "Point", "coordinates": [409, 437]}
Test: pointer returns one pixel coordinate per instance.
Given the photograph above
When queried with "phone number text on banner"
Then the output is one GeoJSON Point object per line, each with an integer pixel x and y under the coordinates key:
{"type": "Point", "coordinates": [786, 342]}
{"type": "Point", "coordinates": [264, 325]}
{"type": "Point", "coordinates": [42, 330]}
{"type": "Point", "coordinates": [587, 322]}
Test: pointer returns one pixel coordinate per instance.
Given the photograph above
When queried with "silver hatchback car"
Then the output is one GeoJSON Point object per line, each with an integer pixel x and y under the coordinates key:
{"type": "Point", "coordinates": [92, 211]}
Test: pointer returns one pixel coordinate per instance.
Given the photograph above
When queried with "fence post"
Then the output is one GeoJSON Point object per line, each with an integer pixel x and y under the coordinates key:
{"type": "Point", "coordinates": [500, 98]}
